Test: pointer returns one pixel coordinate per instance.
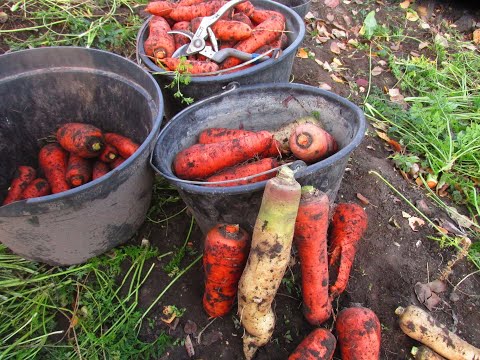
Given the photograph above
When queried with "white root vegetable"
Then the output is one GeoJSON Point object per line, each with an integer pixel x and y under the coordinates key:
{"type": "Point", "coordinates": [268, 259]}
{"type": "Point", "coordinates": [421, 326]}
{"type": "Point", "coordinates": [282, 134]}
{"type": "Point", "coordinates": [425, 353]}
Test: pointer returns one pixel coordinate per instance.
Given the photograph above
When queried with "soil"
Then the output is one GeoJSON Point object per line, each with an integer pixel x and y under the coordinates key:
{"type": "Point", "coordinates": [391, 257]}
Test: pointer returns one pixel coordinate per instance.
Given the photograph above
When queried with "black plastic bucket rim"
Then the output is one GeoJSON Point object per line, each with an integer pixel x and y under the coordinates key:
{"type": "Point", "coordinates": [9, 209]}
{"type": "Point", "coordinates": [198, 189]}
{"type": "Point", "coordinates": [143, 59]}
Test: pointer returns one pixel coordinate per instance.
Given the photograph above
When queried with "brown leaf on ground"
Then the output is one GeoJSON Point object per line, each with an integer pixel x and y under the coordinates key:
{"type": "Point", "coordinates": [415, 223]}
{"type": "Point", "coordinates": [332, 3]}
{"type": "Point", "coordinates": [427, 293]}
{"type": "Point", "coordinates": [334, 47]}
{"type": "Point", "coordinates": [405, 4]}
{"type": "Point", "coordinates": [377, 70]}
{"type": "Point", "coordinates": [476, 37]}
{"type": "Point", "coordinates": [362, 82]}
{"type": "Point", "coordinates": [325, 86]}
{"type": "Point", "coordinates": [302, 53]}
{"type": "Point", "coordinates": [190, 327]}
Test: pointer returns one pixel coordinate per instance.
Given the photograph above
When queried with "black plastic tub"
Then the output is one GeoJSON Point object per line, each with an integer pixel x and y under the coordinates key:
{"type": "Point", "coordinates": [45, 87]}
{"type": "Point", "coordinates": [301, 7]}
{"type": "Point", "coordinates": [266, 106]}
{"type": "Point", "coordinates": [270, 71]}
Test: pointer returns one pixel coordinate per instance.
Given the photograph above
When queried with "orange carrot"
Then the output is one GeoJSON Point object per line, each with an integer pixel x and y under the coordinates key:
{"type": "Point", "coordinates": [189, 2]}
{"type": "Point", "coordinates": [258, 16]}
{"type": "Point", "coordinates": [224, 257]}
{"type": "Point", "coordinates": [309, 142]}
{"type": "Point", "coordinates": [125, 146]}
{"type": "Point", "coordinates": [245, 7]}
{"type": "Point", "coordinates": [226, 30]}
{"type": "Point", "coordinates": [181, 40]}
{"type": "Point", "coordinates": [311, 241]}
{"type": "Point", "coordinates": [318, 345]}
{"type": "Point", "coordinates": [187, 13]}
{"type": "Point", "coordinates": [160, 8]}
{"type": "Point", "coordinates": [227, 44]}
{"type": "Point", "coordinates": [192, 66]}
{"type": "Point", "coordinates": [213, 135]}
{"type": "Point", "coordinates": [108, 154]}
{"type": "Point", "coordinates": [117, 162]}
{"type": "Point", "coordinates": [349, 223]}
{"type": "Point", "coordinates": [244, 170]}
{"type": "Point", "coordinates": [359, 334]}
{"type": "Point", "coordinates": [264, 33]}
{"type": "Point", "coordinates": [37, 188]}
{"type": "Point", "coordinates": [159, 44]}
{"type": "Point", "coordinates": [202, 160]}
{"type": "Point", "coordinates": [52, 159]}
{"type": "Point", "coordinates": [281, 42]}
{"type": "Point", "coordinates": [79, 170]}
{"type": "Point", "coordinates": [242, 17]}
{"type": "Point", "coordinates": [99, 169]}
{"type": "Point", "coordinates": [81, 139]}
{"type": "Point", "coordinates": [24, 175]}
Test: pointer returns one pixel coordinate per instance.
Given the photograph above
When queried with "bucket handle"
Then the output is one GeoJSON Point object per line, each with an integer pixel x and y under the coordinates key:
{"type": "Point", "coordinates": [296, 166]}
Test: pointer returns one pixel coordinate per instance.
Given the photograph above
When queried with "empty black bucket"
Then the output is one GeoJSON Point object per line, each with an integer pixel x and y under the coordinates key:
{"type": "Point", "coordinates": [45, 87]}
{"type": "Point", "coordinates": [301, 7]}
{"type": "Point", "coordinates": [266, 106]}
{"type": "Point", "coordinates": [200, 87]}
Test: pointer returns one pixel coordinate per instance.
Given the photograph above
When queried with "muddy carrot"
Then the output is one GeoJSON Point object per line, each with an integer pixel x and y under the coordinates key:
{"type": "Point", "coordinates": [159, 44]}
{"type": "Point", "coordinates": [37, 188]}
{"type": "Point", "coordinates": [281, 42]}
{"type": "Point", "coordinates": [311, 241]}
{"type": "Point", "coordinates": [258, 16]}
{"type": "Point", "coordinates": [245, 7]}
{"type": "Point", "coordinates": [181, 40]}
{"type": "Point", "coordinates": [348, 225]}
{"type": "Point", "coordinates": [81, 139]}
{"type": "Point", "coordinates": [160, 8]}
{"type": "Point", "coordinates": [226, 30]}
{"type": "Point", "coordinates": [187, 13]}
{"type": "Point", "coordinates": [108, 154]}
{"type": "Point", "coordinates": [309, 142]}
{"type": "Point", "coordinates": [202, 160]}
{"type": "Point", "coordinates": [99, 169]}
{"type": "Point", "coordinates": [224, 257]}
{"type": "Point", "coordinates": [191, 66]}
{"type": "Point", "coordinates": [189, 2]}
{"type": "Point", "coordinates": [245, 170]}
{"type": "Point", "coordinates": [24, 175]}
{"type": "Point", "coordinates": [117, 162]}
{"type": "Point", "coordinates": [79, 170]}
{"type": "Point", "coordinates": [242, 17]}
{"type": "Point", "coordinates": [125, 146]}
{"type": "Point", "coordinates": [52, 159]}
{"type": "Point", "coordinates": [264, 33]}
{"type": "Point", "coordinates": [318, 345]}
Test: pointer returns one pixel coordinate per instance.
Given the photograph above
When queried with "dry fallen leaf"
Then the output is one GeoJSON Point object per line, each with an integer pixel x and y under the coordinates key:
{"type": "Point", "coordinates": [363, 199]}
{"type": "Point", "coordinates": [325, 86]}
{"type": "Point", "coordinates": [395, 47]}
{"type": "Point", "coordinates": [406, 215]}
{"type": "Point", "coordinates": [302, 53]}
{"type": "Point", "coordinates": [415, 223]}
{"type": "Point", "coordinates": [190, 327]}
{"type": "Point", "coordinates": [327, 66]}
{"type": "Point", "coordinates": [332, 3]}
{"type": "Point", "coordinates": [377, 70]}
{"type": "Point", "coordinates": [353, 42]}
{"type": "Point", "coordinates": [393, 222]}
{"type": "Point", "coordinates": [405, 4]}
{"type": "Point", "coordinates": [395, 95]}
{"type": "Point", "coordinates": [423, 45]}
{"type": "Point", "coordinates": [337, 61]}
{"type": "Point", "coordinates": [189, 346]}
{"type": "Point", "coordinates": [335, 48]}
{"type": "Point", "coordinates": [330, 17]}
{"type": "Point", "coordinates": [339, 33]}
{"type": "Point", "coordinates": [362, 82]}
{"type": "Point", "coordinates": [476, 37]}
{"type": "Point", "coordinates": [422, 11]}
{"type": "Point", "coordinates": [319, 62]}
{"type": "Point", "coordinates": [424, 25]}
{"type": "Point", "coordinates": [321, 39]}
{"type": "Point", "coordinates": [342, 46]}
{"type": "Point", "coordinates": [337, 79]}
{"type": "Point", "coordinates": [412, 16]}
{"type": "Point", "coordinates": [441, 40]}
{"type": "Point", "coordinates": [460, 219]}
{"type": "Point", "coordinates": [427, 295]}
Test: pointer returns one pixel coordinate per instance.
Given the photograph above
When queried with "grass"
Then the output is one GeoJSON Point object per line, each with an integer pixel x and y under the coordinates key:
{"type": "Point", "coordinates": [108, 25]}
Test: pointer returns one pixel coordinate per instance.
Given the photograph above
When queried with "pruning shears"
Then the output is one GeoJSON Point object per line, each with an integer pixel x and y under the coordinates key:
{"type": "Point", "coordinates": [198, 44]}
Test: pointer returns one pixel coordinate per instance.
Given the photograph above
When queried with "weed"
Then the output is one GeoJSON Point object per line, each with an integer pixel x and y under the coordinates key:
{"type": "Point", "coordinates": [181, 77]}
{"type": "Point", "coordinates": [173, 266]}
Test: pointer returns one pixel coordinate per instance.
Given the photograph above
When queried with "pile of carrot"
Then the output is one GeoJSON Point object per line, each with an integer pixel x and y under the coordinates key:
{"type": "Point", "coordinates": [245, 28]}
{"type": "Point", "coordinates": [223, 154]}
{"type": "Point", "coordinates": [81, 153]}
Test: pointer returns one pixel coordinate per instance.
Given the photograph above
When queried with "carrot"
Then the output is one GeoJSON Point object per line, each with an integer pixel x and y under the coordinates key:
{"type": "Point", "coordinates": [52, 159]}
{"type": "Point", "coordinates": [319, 344]}
{"type": "Point", "coordinates": [245, 7]}
{"type": "Point", "coordinates": [187, 13]}
{"type": "Point", "coordinates": [117, 162]}
{"type": "Point", "coordinates": [423, 327]}
{"type": "Point", "coordinates": [264, 33]}
{"type": "Point", "coordinates": [81, 139]}
{"type": "Point", "coordinates": [227, 44]}
{"type": "Point", "coordinates": [79, 170]}
{"type": "Point", "coordinates": [311, 241]}
{"type": "Point", "coordinates": [282, 134]}
{"type": "Point", "coordinates": [109, 153]}
{"type": "Point", "coordinates": [191, 66]}
{"type": "Point", "coordinates": [258, 16]}
{"type": "Point", "coordinates": [281, 42]}
{"type": "Point", "coordinates": [99, 169]}
{"type": "Point", "coordinates": [37, 188]}
{"type": "Point", "coordinates": [125, 146]}
{"type": "Point", "coordinates": [160, 8]}
{"type": "Point", "coordinates": [23, 176]}
{"type": "Point", "coordinates": [181, 40]}
{"type": "Point", "coordinates": [348, 225]}
{"type": "Point", "coordinates": [224, 257]}
{"type": "Point", "coordinates": [358, 332]}
{"type": "Point", "coordinates": [213, 135]}
{"type": "Point", "coordinates": [242, 17]}
{"type": "Point", "coordinates": [226, 30]}
{"type": "Point", "coordinates": [202, 160]}
{"type": "Point", "coordinates": [244, 170]}
{"type": "Point", "coordinates": [268, 259]}
{"type": "Point", "coordinates": [189, 2]}
{"type": "Point", "coordinates": [425, 353]}
{"type": "Point", "coordinates": [309, 142]}
{"type": "Point", "coordinates": [159, 44]}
